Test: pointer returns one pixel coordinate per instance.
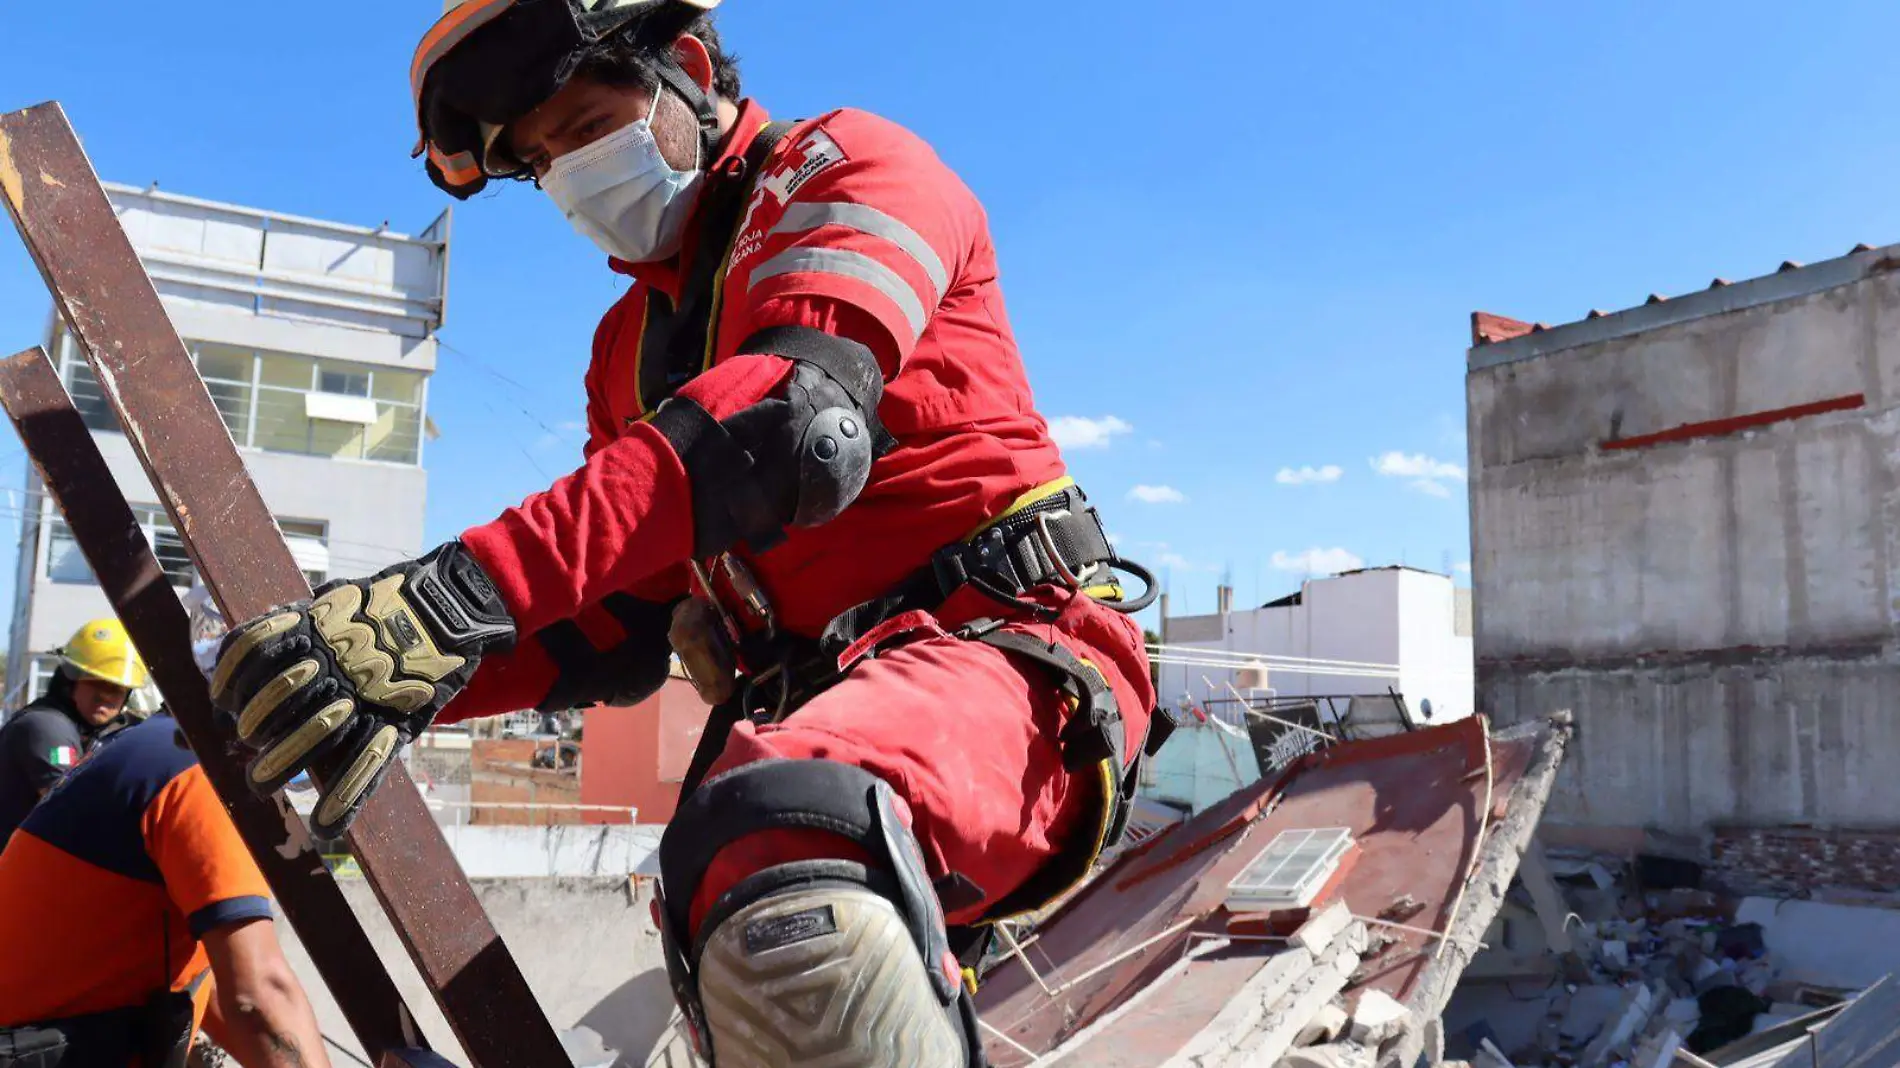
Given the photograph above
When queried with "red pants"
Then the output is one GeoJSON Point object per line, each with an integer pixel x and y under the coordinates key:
{"type": "Point", "coordinates": [965, 735]}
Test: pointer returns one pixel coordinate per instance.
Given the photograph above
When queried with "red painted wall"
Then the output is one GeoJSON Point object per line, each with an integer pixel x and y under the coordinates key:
{"type": "Point", "coordinates": [637, 756]}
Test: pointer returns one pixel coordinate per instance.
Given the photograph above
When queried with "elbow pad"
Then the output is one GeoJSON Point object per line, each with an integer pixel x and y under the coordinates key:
{"type": "Point", "coordinates": [796, 459]}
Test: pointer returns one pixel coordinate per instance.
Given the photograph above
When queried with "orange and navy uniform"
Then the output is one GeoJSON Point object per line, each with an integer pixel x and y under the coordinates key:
{"type": "Point", "coordinates": [110, 883]}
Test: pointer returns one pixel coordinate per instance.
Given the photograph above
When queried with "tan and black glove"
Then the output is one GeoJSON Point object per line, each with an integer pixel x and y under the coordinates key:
{"type": "Point", "coordinates": [338, 684]}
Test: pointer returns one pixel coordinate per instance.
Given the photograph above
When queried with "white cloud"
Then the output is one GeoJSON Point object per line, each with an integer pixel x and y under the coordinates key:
{"type": "Point", "coordinates": [1081, 432]}
{"type": "Point", "coordinates": [1300, 476]}
{"type": "Point", "coordinates": [1317, 561]}
{"type": "Point", "coordinates": [1157, 495]}
{"type": "Point", "coordinates": [1113, 537]}
{"type": "Point", "coordinates": [1462, 569]}
{"type": "Point", "coordinates": [1169, 560]}
{"type": "Point", "coordinates": [1396, 464]}
{"type": "Point", "coordinates": [1427, 475]}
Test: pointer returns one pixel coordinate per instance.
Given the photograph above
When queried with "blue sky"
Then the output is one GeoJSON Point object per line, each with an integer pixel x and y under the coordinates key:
{"type": "Point", "coordinates": [1234, 244]}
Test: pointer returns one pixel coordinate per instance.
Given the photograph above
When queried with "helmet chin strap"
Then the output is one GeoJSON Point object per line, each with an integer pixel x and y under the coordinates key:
{"type": "Point", "coordinates": [704, 105]}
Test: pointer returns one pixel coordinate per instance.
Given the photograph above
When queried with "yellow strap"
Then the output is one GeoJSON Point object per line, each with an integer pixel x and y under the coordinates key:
{"type": "Point", "coordinates": [1111, 591]}
{"type": "Point", "coordinates": [1111, 793]}
{"type": "Point", "coordinates": [1034, 496]}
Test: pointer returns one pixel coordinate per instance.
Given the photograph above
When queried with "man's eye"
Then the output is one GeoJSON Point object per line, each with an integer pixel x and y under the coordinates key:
{"type": "Point", "coordinates": [594, 128]}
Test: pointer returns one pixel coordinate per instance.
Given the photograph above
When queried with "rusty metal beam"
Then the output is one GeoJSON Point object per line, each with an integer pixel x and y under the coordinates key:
{"type": "Point", "coordinates": [146, 375]}
{"type": "Point", "coordinates": [102, 523]}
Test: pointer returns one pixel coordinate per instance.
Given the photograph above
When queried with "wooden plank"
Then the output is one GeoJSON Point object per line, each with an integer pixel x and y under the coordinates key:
{"type": "Point", "coordinates": [146, 375]}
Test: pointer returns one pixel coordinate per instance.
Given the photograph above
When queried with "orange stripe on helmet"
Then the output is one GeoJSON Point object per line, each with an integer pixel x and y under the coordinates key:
{"type": "Point", "coordinates": [461, 168]}
{"type": "Point", "coordinates": [445, 34]}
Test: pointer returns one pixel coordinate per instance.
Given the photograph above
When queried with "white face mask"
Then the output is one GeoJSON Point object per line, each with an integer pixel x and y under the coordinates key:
{"type": "Point", "coordinates": [622, 195]}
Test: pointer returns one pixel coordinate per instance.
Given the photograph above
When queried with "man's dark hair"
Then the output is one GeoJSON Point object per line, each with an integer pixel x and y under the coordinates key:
{"type": "Point", "coordinates": [629, 58]}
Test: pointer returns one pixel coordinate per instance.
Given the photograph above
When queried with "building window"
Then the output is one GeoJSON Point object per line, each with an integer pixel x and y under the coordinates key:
{"type": "Point", "coordinates": [309, 541]}
{"type": "Point", "coordinates": [333, 379]}
{"type": "Point", "coordinates": [84, 388]}
{"type": "Point", "coordinates": [64, 562]}
{"type": "Point", "coordinates": [39, 676]}
{"type": "Point", "coordinates": [265, 399]}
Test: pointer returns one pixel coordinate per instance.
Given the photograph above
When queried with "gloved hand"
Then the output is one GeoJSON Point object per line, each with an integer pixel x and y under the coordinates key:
{"type": "Point", "coordinates": [338, 684]}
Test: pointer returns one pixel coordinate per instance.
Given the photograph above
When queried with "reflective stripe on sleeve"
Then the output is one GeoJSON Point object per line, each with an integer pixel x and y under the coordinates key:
{"type": "Point", "coordinates": [844, 263]}
{"type": "Point", "coordinates": [800, 217]}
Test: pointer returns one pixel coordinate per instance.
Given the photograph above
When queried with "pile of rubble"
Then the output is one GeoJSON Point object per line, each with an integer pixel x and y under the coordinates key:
{"type": "Point", "coordinates": [1305, 1007]}
{"type": "Point", "coordinates": [1633, 975]}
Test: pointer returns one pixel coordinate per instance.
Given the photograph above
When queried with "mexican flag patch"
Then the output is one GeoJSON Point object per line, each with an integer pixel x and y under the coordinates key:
{"type": "Point", "coordinates": [63, 756]}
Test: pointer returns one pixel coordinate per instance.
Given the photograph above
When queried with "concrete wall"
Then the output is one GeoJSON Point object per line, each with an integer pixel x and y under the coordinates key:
{"type": "Point", "coordinates": [1719, 606]}
{"type": "Point", "coordinates": [1435, 658]}
{"type": "Point", "coordinates": [638, 757]}
{"type": "Point", "coordinates": [491, 851]}
{"type": "Point", "coordinates": [586, 946]}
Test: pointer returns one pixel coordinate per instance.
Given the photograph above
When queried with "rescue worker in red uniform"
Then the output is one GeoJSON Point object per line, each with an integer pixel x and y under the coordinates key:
{"type": "Point", "coordinates": [815, 469]}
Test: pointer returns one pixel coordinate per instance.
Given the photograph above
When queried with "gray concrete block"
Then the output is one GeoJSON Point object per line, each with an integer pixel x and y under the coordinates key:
{"type": "Point", "coordinates": [1590, 1008]}
{"type": "Point", "coordinates": [1322, 927]}
{"type": "Point", "coordinates": [1328, 1024]}
{"type": "Point", "coordinates": [1375, 1017]}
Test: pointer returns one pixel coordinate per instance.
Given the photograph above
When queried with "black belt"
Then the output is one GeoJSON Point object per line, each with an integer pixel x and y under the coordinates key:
{"type": "Point", "coordinates": [1056, 541]}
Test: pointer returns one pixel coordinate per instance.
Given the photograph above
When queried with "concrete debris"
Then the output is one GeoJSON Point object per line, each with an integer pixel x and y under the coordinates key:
{"type": "Point", "coordinates": [1489, 1056]}
{"type": "Point", "coordinates": [1615, 954]}
{"type": "Point", "coordinates": [1326, 1026]}
{"type": "Point", "coordinates": [1657, 1051]}
{"type": "Point", "coordinates": [1590, 1008]}
{"type": "Point", "coordinates": [1683, 1011]}
{"type": "Point", "coordinates": [1291, 991]}
{"type": "Point", "coordinates": [1337, 1055]}
{"type": "Point", "coordinates": [1376, 1018]}
{"type": "Point", "coordinates": [1402, 909]}
{"type": "Point", "coordinates": [1318, 932]}
{"type": "Point", "coordinates": [1659, 968]}
{"type": "Point", "coordinates": [1631, 1016]}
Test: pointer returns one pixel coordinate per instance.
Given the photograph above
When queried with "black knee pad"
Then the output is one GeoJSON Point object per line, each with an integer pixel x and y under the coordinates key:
{"type": "Point", "coordinates": [822, 795]}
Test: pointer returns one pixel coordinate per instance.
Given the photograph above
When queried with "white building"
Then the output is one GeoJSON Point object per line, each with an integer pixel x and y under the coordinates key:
{"type": "Point", "coordinates": [316, 341]}
{"type": "Point", "coordinates": [1412, 628]}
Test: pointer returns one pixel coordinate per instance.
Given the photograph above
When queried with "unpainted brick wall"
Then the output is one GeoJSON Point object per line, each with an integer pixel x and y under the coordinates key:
{"type": "Point", "coordinates": [1793, 861]}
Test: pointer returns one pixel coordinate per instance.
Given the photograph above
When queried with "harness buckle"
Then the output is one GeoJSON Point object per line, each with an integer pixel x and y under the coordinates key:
{"type": "Point", "coordinates": [1048, 542]}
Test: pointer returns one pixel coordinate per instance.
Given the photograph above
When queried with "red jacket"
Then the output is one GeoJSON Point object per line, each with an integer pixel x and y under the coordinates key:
{"type": "Point", "coordinates": [855, 227]}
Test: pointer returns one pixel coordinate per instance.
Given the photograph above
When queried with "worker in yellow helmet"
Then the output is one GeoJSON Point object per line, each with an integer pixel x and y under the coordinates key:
{"type": "Point", "coordinates": [98, 669]}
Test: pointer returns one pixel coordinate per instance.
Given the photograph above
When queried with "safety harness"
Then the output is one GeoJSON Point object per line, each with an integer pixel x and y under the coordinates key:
{"type": "Point", "coordinates": [1053, 538]}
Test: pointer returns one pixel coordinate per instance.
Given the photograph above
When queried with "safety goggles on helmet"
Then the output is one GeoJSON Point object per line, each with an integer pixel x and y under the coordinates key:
{"type": "Point", "coordinates": [487, 63]}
